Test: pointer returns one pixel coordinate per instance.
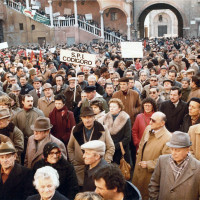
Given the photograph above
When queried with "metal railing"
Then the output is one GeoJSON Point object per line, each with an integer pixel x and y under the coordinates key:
{"type": "Point", "coordinates": [67, 22]}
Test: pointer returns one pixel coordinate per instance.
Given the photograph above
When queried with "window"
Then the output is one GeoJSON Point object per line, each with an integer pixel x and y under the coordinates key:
{"type": "Point", "coordinates": [113, 16]}
{"type": "Point", "coordinates": [33, 27]}
{"type": "Point", "coordinates": [21, 26]}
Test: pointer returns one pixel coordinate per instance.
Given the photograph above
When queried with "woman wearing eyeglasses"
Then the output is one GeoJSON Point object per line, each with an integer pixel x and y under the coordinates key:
{"type": "Point", "coordinates": [67, 176]}
{"type": "Point", "coordinates": [142, 120]}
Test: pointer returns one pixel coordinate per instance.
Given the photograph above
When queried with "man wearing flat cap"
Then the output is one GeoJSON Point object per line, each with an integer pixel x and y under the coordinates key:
{"type": "Point", "coordinates": [129, 97]}
{"type": "Point", "coordinates": [93, 157]}
{"type": "Point", "coordinates": [37, 92]}
{"type": "Point", "coordinates": [15, 180]}
{"type": "Point", "coordinates": [39, 139]}
{"type": "Point", "coordinates": [47, 102]}
{"type": "Point", "coordinates": [176, 175]}
{"type": "Point", "coordinates": [85, 131]}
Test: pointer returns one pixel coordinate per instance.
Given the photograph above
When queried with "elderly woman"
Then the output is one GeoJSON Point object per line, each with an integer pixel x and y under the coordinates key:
{"type": "Point", "coordinates": [119, 124]}
{"type": "Point", "coordinates": [142, 120]}
{"type": "Point", "coordinates": [46, 180]}
{"type": "Point", "coordinates": [88, 196]}
{"type": "Point", "coordinates": [97, 107]}
{"type": "Point", "coordinates": [67, 176]}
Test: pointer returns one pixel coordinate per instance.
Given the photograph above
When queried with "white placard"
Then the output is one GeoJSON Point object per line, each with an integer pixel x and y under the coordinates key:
{"type": "Point", "coordinates": [35, 7]}
{"type": "Point", "coordinates": [47, 10]}
{"type": "Point", "coordinates": [61, 18]}
{"type": "Point", "coordinates": [33, 12]}
{"type": "Point", "coordinates": [3, 45]}
{"type": "Point", "coordinates": [77, 57]}
{"type": "Point", "coordinates": [192, 22]}
{"type": "Point", "coordinates": [56, 14]}
{"type": "Point", "coordinates": [88, 16]}
{"type": "Point", "coordinates": [132, 49]}
{"type": "Point", "coordinates": [52, 50]}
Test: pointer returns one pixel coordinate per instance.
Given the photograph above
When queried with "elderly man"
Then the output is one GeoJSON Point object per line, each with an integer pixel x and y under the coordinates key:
{"type": "Point", "coordinates": [193, 117]}
{"type": "Point", "coordinates": [37, 92]}
{"type": "Point", "coordinates": [93, 95]}
{"type": "Point", "coordinates": [47, 103]}
{"type": "Point", "coordinates": [153, 82]}
{"type": "Point", "coordinates": [8, 129]}
{"type": "Point", "coordinates": [15, 180]}
{"type": "Point", "coordinates": [41, 137]}
{"type": "Point", "coordinates": [93, 82]}
{"type": "Point", "coordinates": [111, 185]}
{"type": "Point", "coordinates": [130, 98]}
{"type": "Point", "coordinates": [87, 130]}
{"type": "Point", "coordinates": [176, 176]}
{"type": "Point", "coordinates": [152, 145]}
{"type": "Point", "coordinates": [93, 158]}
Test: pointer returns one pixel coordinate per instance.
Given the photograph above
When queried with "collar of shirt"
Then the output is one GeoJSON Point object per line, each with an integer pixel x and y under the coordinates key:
{"type": "Point", "coordinates": [7, 172]}
{"type": "Point", "coordinates": [176, 104]}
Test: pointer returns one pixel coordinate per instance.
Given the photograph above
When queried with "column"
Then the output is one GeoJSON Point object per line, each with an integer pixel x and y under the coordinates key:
{"type": "Point", "coordinates": [75, 13]}
{"type": "Point", "coordinates": [128, 29]}
{"type": "Point", "coordinates": [51, 12]}
{"type": "Point", "coordinates": [27, 4]}
{"type": "Point", "coordinates": [102, 25]}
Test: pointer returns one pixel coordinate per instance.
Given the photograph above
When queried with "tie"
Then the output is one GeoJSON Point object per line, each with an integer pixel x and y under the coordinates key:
{"type": "Point", "coordinates": [151, 131]}
{"type": "Point", "coordinates": [38, 93]}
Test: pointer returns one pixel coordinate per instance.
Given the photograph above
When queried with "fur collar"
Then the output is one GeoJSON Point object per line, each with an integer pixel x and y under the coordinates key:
{"type": "Point", "coordinates": [118, 124]}
{"type": "Point", "coordinates": [78, 132]}
{"type": "Point", "coordinates": [7, 130]}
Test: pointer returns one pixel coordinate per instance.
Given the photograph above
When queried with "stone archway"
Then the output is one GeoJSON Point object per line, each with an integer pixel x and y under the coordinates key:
{"type": "Point", "coordinates": [1, 31]}
{"type": "Point", "coordinates": [160, 6]}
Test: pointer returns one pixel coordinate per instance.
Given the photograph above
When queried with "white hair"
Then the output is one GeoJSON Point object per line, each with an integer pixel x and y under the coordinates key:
{"type": "Point", "coordinates": [46, 172]}
{"type": "Point", "coordinates": [92, 78]}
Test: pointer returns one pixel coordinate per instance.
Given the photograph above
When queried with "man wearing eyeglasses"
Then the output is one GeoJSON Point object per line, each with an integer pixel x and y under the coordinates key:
{"type": "Point", "coordinates": [154, 93]}
{"type": "Point", "coordinates": [152, 145]}
{"type": "Point", "coordinates": [39, 139]}
{"type": "Point", "coordinates": [153, 82]}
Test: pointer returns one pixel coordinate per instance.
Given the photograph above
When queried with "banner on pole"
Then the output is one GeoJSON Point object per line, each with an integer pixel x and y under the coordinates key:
{"type": "Point", "coordinates": [3, 45]}
{"type": "Point", "coordinates": [132, 49]}
{"type": "Point", "coordinates": [77, 57]}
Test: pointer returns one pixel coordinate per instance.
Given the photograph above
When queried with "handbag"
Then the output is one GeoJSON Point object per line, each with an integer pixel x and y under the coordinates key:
{"type": "Point", "coordinates": [124, 166]}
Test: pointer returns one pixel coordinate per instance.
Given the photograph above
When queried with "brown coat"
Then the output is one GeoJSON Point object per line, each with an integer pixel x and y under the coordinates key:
{"type": "Point", "coordinates": [150, 148]}
{"type": "Point", "coordinates": [194, 133]}
{"type": "Point", "coordinates": [46, 75]}
{"type": "Point", "coordinates": [186, 187]}
{"type": "Point", "coordinates": [131, 102]}
{"type": "Point", "coordinates": [194, 93]}
{"type": "Point", "coordinates": [33, 153]}
{"type": "Point", "coordinates": [46, 106]}
{"type": "Point", "coordinates": [77, 139]}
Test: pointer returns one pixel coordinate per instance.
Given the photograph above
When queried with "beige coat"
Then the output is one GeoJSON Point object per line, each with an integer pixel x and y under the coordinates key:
{"type": "Point", "coordinates": [186, 187]}
{"type": "Point", "coordinates": [150, 148]}
{"type": "Point", "coordinates": [194, 132]}
{"type": "Point", "coordinates": [46, 106]}
{"type": "Point", "coordinates": [33, 153]}
{"type": "Point", "coordinates": [77, 139]}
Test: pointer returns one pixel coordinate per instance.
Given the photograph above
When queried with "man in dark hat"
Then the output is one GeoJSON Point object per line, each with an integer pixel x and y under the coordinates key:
{"type": "Point", "coordinates": [87, 130]}
{"type": "Point", "coordinates": [37, 141]}
{"type": "Point", "coordinates": [93, 95]}
{"type": "Point", "coordinates": [130, 98]}
{"type": "Point", "coordinates": [176, 175]}
{"type": "Point", "coordinates": [174, 109]}
{"type": "Point", "coordinates": [15, 180]}
{"type": "Point", "coordinates": [37, 92]}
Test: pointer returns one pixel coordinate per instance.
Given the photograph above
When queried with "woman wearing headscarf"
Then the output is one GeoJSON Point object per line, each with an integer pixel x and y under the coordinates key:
{"type": "Point", "coordinates": [67, 176]}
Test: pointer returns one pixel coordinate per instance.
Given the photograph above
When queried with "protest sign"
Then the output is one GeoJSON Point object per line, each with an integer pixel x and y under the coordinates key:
{"type": "Point", "coordinates": [132, 49]}
{"type": "Point", "coordinates": [77, 57]}
{"type": "Point", "coordinates": [3, 45]}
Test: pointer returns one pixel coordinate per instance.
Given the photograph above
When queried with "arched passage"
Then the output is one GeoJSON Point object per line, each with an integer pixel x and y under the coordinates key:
{"type": "Point", "coordinates": [1, 31]}
{"type": "Point", "coordinates": [160, 6]}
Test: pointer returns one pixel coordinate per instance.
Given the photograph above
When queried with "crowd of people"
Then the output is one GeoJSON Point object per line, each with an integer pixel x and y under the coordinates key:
{"type": "Point", "coordinates": [62, 125]}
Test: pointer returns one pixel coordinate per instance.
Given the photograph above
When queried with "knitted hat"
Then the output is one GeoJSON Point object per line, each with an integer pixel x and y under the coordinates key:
{"type": "Point", "coordinates": [48, 147]}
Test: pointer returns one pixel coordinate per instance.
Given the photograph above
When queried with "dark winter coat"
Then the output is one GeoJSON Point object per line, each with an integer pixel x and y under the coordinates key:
{"type": "Point", "coordinates": [56, 196]}
{"type": "Point", "coordinates": [174, 115]}
{"type": "Point", "coordinates": [18, 186]}
{"type": "Point", "coordinates": [67, 176]}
